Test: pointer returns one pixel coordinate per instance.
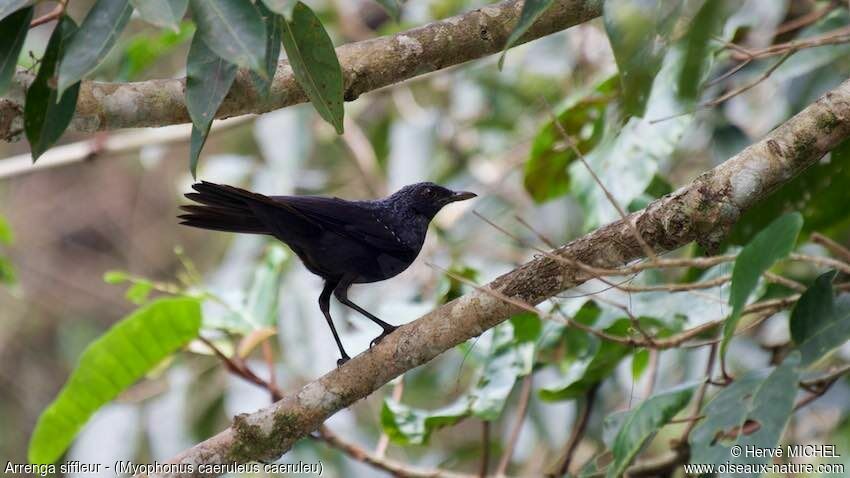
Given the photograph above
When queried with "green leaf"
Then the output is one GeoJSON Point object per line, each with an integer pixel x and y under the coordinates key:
{"type": "Point", "coordinates": [234, 30]}
{"type": "Point", "coordinates": [642, 423]}
{"type": "Point", "coordinates": [627, 157]}
{"type": "Point", "coordinates": [638, 32]}
{"type": "Point", "coordinates": [594, 361]}
{"type": "Point", "coordinates": [314, 63]}
{"type": "Point", "coordinates": [162, 13]}
{"type": "Point", "coordinates": [7, 272]}
{"type": "Point", "coordinates": [708, 22]}
{"type": "Point", "coordinates": [531, 10]}
{"type": "Point", "coordinates": [640, 360]}
{"type": "Point", "coordinates": [393, 7]}
{"type": "Point", "coordinates": [115, 277]}
{"type": "Point", "coordinates": [196, 144]}
{"type": "Point", "coordinates": [774, 242]}
{"type": "Point", "coordinates": [583, 119]}
{"type": "Point", "coordinates": [274, 27]}
{"type": "Point", "coordinates": [208, 79]}
{"type": "Point", "coordinates": [410, 426]}
{"type": "Point", "coordinates": [143, 51]}
{"type": "Point", "coordinates": [814, 193]}
{"type": "Point", "coordinates": [138, 292]}
{"type": "Point", "coordinates": [5, 232]}
{"type": "Point", "coordinates": [259, 309]}
{"type": "Point", "coordinates": [90, 45]}
{"type": "Point", "coordinates": [13, 31]}
{"type": "Point", "coordinates": [281, 7]}
{"type": "Point", "coordinates": [7, 7]}
{"type": "Point", "coordinates": [511, 356]}
{"type": "Point", "coordinates": [819, 323]}
{"type": "Point", "coordinates": [109, 365]}
{"type": "Point", "coordinates": [755, 400]}
{"type": "Point", "coordinates": [45, 117]}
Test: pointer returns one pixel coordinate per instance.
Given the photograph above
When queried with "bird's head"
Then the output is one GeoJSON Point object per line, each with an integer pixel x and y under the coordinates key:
{"type": "Point", "coordinates": [428, 198]}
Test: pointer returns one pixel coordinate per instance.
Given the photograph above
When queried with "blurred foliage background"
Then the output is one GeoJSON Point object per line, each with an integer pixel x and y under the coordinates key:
{"type": "Point", "coordinates": [474, 128]}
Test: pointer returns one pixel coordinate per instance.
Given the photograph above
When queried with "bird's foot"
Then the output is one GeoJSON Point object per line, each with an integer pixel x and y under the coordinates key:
{"type": "Point", "coordinates": [378, 339]}
{"type": "Point", "coordinates": [341, 361]}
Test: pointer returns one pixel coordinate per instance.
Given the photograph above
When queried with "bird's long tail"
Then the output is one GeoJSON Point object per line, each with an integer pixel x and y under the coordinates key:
{"type": "Point", "coordinates": [224, 208]}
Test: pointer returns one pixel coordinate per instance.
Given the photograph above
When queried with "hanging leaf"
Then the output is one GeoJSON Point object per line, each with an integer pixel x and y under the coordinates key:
{"type": "Point", "coordinates": [775, 242]}
{"type": "Point", "coordinates": [13, 31]}
{"type": "Point", "coordinates": [208, 79]}
{"type": "Point", "coordinates": [583, 119]}
{"type": "Point", "coordinates": [751, 412]}
{"type": "Point", "coordinates": [707, 23]}
{"type": "Point", "coordinates": [92, 42]}
{"type": "Point", "coordinates": [162, 13]}
{"type": "Point", "coordinates": [7, 7]}
{"type": "Point", "coordinates": [819, 324]}
{"type": "Point", "coordinates": [110, 364]}
{"type": "Point", "coordinates": [639, 32]}
{"type": "Point", "coordinates": [234, 30]}
{"type": "Point", "coordinates": [45, 117]}
{"type": "Point", "coordinates": [531, 11]}
{"type": "Point", "coordinates": [274, 27]}
{"type": "Point", "coordinates": [314, 63]}
{"type": "Point", "coordinates": [641, 423]}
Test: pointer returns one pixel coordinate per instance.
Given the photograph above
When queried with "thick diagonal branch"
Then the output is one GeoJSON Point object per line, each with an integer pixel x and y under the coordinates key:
{"type": "Point", "coordinates": [367, 65]}
{"type": "Point", "coordinates": [704, 209]}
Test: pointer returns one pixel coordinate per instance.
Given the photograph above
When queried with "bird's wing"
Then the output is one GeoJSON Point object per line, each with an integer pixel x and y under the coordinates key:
{"type": "Point", "coordinates": [349, 219]}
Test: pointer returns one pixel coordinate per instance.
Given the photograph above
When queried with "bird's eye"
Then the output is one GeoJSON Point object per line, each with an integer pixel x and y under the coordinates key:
{"type": "Point", "coordinates": [428, 192]}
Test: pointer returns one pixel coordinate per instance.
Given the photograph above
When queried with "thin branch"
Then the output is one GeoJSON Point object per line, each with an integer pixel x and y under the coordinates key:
{"type": "Point", "coordinates": [578, 432]}
{"type": "Point", "coordinates": [513, 435]}
{"type": "Point", "coordinates": [54, 14]}
{"type": "Point", "coordinates": [840, 251]}
{"type": "Point", "coordinates": [485, 449]}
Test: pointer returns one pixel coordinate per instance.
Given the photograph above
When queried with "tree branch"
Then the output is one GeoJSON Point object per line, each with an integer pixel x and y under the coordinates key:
{"type": "Point", "coordinates": [367, 65]}
{"type": "Point", "coordinates": [706, 209]}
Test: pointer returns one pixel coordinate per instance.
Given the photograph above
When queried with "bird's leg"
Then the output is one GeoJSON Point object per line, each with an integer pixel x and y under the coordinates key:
{"type": "Point", "coordinates": [341, 293]}
{"type": "Point", "coordinates": [325, 305]}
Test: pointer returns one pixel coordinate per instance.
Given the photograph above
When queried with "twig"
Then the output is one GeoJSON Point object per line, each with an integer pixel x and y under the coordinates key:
{"type": "Point", "coordinates": [821, 261]}
{"type": "Point", "coordinates": [842, 252]}
{"type": "Point", "coordinates": [485, 449]}
{"type": "Point", "coordinates": [804, 20]}
{"type": "Point", "coordinates": [395, 468]}
{"type": "Point", "coordinates": [54, 14]}
{"type": "Point", "coordinates": [513, 435]}
{"type": "Point", "coordinates": [578, 431]}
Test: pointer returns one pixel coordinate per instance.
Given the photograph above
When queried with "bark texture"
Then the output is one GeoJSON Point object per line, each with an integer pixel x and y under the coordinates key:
{"type": "Point", "coordinates": [703, 210]}
{"type": "Point", "coordinates": [367, 65]}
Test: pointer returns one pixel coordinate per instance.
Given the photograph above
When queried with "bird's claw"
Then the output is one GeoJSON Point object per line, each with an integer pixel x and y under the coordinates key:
{"type": "Point", "coordinates": [341, 361]}
{"type": "Point", "coordinates": [379, 338]}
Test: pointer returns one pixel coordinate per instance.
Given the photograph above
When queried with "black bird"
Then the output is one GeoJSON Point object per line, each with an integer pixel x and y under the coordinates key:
{"type": "Point", "coordinates": [343, 242]}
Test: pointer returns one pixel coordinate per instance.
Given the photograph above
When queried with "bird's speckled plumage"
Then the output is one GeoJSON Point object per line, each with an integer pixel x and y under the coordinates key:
{"type": "Point", "coordinates": [344, 242]}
